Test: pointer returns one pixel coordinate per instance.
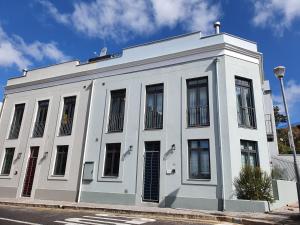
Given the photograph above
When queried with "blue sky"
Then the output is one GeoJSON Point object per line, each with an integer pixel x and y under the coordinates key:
{"type": "Point", "coordinates": [35, 33]}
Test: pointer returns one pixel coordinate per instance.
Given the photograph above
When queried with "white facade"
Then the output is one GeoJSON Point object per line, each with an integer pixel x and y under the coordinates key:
{"type": "Point", "coordinates": [172, 62]}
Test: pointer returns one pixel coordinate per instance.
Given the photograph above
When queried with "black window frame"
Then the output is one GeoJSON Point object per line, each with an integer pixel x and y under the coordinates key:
{"type": "Point", "coordinates": [41, 119]}
{"type": "Point", "coordinates": [243, 84]}
{"type": "Point", "coordinates": [154, 118]}
{"type": "Point", "coordinates": [199, 149]}
{"type": "Point", "coordinates": [112, 164]}
{"type": "Point", "coordinates": [200, 82]}
{"type": "Point", "coordinates": [16, 123]}
{"type": "Point", "coordinates": [61, 160]}
{"type": "Point", "coordinates": [67, 116]}
{"type": "Point", "coordinates": [116, 114]}
{"type": "Point", "coordinates": [247, 152]}
{"type": "Point", "coordinates": [6, 168]}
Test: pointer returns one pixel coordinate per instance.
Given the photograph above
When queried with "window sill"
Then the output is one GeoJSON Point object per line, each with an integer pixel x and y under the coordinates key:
{"type": "Point", "coordinates": [246, 127]}
{"type": "Point", "coordinates": [5, 176]}
{"type": "Point", "coordinates": [152, 129]}
{"type": "Point", "coordinates": [57, 177]}
{"type": "Point", "coordinates": [110, 179]}
{"type": "Point", "coordinates": [200, 126]}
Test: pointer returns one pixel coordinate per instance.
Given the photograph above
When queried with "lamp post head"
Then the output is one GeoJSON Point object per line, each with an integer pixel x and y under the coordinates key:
{"type": "Point", "coordinates": [279, 71]}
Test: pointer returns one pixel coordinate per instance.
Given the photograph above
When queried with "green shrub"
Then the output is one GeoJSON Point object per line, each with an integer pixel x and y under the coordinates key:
{"type": "Point", "coordinates": [253, 184]}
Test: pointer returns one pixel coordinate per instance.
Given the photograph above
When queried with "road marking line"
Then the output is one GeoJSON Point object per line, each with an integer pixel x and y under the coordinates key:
{"type": "Point", "coordinates": [19, 221]}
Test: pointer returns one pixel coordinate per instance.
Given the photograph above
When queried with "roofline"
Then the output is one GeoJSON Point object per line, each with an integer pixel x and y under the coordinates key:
{"type": "Point", "coordinates": [43, 67]}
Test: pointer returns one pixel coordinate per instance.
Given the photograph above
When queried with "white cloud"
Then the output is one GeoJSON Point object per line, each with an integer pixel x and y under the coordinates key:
{"type": "Point", "coordinates": [292, 91]}
{"type": "Point", "coordinates": [278, 14]}
{"type": "Point", "coordinates": [120, 19]}
{"type": "Point", "coordinates": [14, 51]}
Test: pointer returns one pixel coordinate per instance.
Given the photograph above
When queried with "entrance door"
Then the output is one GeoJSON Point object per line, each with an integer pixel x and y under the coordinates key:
{"type": "Point", "coordinates": [151, 171]}
{"type": "Point", "coordinates": [29, 177]}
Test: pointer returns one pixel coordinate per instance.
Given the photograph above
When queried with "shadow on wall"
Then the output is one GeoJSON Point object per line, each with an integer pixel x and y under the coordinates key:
{"type": "Point", "coordinates": [169, 199]}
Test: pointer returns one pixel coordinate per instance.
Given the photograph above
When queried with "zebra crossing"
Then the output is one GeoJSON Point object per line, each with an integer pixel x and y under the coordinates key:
{"type": "Point", "coordinates": [105, 219]}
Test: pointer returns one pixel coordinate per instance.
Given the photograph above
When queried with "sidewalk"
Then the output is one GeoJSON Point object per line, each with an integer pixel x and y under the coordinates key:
{"type": "Point", "coordinates": [286, 215]}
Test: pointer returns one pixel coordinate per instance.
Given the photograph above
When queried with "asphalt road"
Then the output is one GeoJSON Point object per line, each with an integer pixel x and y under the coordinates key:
{"type": "Point", "coordinates": [10, 215]}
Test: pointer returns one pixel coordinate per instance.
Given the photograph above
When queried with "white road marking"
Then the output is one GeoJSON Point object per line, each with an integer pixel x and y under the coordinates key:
{"type": "Point", "coordinates": [19, 221]}
{"type": "Point", "coordinates": [101, 219]}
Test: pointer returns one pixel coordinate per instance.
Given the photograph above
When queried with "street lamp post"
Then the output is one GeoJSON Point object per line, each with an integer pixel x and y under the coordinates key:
{"type": "Point", "coordinates": [279, 73]}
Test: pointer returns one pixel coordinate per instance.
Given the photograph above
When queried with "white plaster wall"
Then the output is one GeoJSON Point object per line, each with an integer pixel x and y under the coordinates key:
{"type": "Point", "coordinates": [43, 175]}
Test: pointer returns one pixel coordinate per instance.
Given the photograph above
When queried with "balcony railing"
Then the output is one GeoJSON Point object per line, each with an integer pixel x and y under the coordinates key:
{"type": "Point", "coordinates": [66, 127]}
{"type": "Point", "coordinates": [116, 122]}
{"type": "Point", "coordinates": [14, 132]}
{"type": "Point", "coordinates": [38, 130]}
{"type": "Point", "coordinates": [198, 116]}
{"type": "Point", "coordinates": [246, 117]}
{"type": "Point", "coordinates": [154, 120]}
{"type": "Point", "coordinates": [269, 127]}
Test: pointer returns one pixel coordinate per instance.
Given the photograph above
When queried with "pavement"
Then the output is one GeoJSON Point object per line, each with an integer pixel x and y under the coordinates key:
{"type": "Point", "coordinates": [67, 210]}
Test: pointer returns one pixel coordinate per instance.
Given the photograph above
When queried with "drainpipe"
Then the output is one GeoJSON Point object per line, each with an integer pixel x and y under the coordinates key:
{"type": "Point", "coordinates": [217, 60]}
{"type": "Point", "coordinates": [85, 135]}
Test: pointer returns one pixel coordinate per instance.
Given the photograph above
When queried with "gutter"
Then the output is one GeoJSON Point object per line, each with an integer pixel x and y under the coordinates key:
{"type": "Point", "coordinates": [220, 142]}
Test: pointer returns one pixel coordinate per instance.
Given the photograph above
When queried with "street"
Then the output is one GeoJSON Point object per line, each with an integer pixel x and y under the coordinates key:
{"type": "Point", "coordinates": [10, 215]}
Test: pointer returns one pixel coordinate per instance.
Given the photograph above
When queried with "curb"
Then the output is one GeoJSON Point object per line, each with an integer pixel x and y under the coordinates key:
{"type": "Point", "coordinates": [215, 218]}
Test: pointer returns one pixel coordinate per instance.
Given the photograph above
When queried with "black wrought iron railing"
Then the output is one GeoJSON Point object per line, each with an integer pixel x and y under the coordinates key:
{"type": "Point", "coordinates": [269, 127]}
{"type": "Point", "coordinates": [38, 130]}
{"type": "Point", "coordinates": [198, 116]}
{"type": "Point", "coordinates": [116, 122]}
{"type": "Point", "coordinates": [246, 117]}
{"type": "Point", "coordinates": [14, 132]}
{"type": "Point", "coordinates": [66, 127]}
{"type": "Point", "coordinates": [153, 120]}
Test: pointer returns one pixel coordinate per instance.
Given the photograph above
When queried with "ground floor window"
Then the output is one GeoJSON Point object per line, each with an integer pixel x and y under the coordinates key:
{"type": "Point", "coordinates": [249, 153]}
{"type": "Point", "coordinates": [7, 162]}
{"type": "Point", "coordinates": [199, 160]}
{"type": "Point", "coordinates": [61, 160]}
{"type": "Point", "coordinates": [112, 160]}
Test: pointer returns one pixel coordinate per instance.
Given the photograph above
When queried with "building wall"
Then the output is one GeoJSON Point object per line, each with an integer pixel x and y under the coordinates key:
{"type": "Point", "coordinates": [176, 190]}
{"type": "Point", "coordinates": [46, 185]}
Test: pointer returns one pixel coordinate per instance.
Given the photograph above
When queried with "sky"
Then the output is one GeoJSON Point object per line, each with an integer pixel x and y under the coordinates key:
{"type": "Point", "coordinates": [36, 33]}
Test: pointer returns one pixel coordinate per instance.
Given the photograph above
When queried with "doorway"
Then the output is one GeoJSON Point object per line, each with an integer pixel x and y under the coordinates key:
{"type": "Point", "coordinates": [30, 171]}
{"type": "Point", "coordinates": [151, 171]}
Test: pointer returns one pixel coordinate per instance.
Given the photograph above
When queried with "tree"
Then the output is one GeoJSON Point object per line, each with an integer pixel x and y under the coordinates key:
{"type": "Point", "coordinates": [279, 118]}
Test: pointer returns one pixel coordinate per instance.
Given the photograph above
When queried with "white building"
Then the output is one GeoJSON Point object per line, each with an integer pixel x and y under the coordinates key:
{"type": "Point", "coordinates": [168, 123]}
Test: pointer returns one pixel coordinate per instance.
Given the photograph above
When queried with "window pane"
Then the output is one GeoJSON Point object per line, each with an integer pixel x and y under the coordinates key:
{"type": "Point", "coordinates": [197, 102]}
{"type": "Point", "coordinates": [199, 159]}
{"type": "Point", "coordinates": [67, 116]}
{"type": "Point", "coordinates": [7, 162]}
{"type": "Point", "coordinates": [112, 160]}
{"type": "Point", "coordinates": [61, 160]}
{"type": "Point", "coordinates": [245, 106]}
{"type": "Point", "coordinates": [17, 121]}
{"type": "Point", "coordinates": [154, 106]}
{"type": "Point", "coordinates": [41, 117]}
{"type": "Point", "coordinates": [249, 153]}
{"type": "Point", "coordinates": [117, 109]}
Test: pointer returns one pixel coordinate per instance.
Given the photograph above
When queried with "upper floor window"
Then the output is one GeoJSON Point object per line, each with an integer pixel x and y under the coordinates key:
{"type": "Point", "coordinates": [17, 121]}
{"type": "Point", "coordinates": [245, 103]}
{"type": "Point", "coordinates": [197, 102]}
{"type": "Point", "coordinates": [199, 159]}
{"type": "Point", "coordinates": [7, 162]}
{"type": "Point", "coordinates": [154, 106]}
{"type": "Point", "coordinates": [41, 117]}
{"type": "Point", "coordinates": [112, 160]}
{"type": "Point", "coordinates": [67, 116]}
{"type": "Point", "coordinates": [117, 111]}
{"type": "Point", "coordinates": [249, 153]}
{"type": "Point", "coordinates": [61, 160]}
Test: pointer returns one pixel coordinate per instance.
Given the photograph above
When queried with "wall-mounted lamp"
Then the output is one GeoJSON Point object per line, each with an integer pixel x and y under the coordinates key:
{"type": "Point", "coordinates": [130, 149]}
{"type": "Point", "coordinates": [45, 155]}
{"type": "Point", "coordinates": [19, 155]}
{"type": "Point", "coordinates": [173, 148]}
